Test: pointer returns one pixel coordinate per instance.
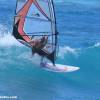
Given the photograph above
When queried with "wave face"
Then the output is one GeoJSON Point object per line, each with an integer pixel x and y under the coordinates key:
{"type": "Point", "coordinates": [79, 41]}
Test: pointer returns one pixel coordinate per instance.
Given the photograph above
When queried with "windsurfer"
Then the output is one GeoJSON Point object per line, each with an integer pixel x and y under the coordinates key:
{"type": "Point", "coordinates": [38, 44]}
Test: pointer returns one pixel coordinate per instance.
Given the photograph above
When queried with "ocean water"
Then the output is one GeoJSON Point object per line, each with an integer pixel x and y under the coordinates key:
{"type": "Point", "coordinates": [78, 23]}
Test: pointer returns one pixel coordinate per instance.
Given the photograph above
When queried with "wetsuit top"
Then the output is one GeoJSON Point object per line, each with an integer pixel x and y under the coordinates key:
{"type": "Point", "coordinates": [39, 45]}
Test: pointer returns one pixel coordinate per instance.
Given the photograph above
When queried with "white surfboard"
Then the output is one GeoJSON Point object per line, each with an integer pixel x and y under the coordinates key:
{"type": "Point", "coordinates": [59, 67]}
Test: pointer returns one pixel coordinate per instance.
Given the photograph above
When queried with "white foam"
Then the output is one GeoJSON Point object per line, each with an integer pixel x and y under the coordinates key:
{"type": "Point", "coordinates": [6, 39]}
{"type": "Point", "coordinates": [3, 30]}
{"type": "Point", "coordinates": [97, 44]}
{"type": "Point", "coordinates": [66, 50]}
{"type": "Point", "coordinates": [28, 56]}
{"type": "Point", "coordinates": [9, 40]}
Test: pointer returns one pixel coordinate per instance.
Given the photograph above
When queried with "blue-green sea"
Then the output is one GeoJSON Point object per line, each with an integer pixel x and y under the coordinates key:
{"type": "Point", "coordinates": [78, 23]}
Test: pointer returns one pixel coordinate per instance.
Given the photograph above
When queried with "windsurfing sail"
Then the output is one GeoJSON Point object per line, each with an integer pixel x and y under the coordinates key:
{"type": "Point", "coordinates": [33, 20]}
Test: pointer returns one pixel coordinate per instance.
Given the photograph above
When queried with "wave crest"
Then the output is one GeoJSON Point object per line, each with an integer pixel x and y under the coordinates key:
{"type": "Point", "coordinates": [9, 40]}
{"type": "Point", "coordinates": [66, 50]}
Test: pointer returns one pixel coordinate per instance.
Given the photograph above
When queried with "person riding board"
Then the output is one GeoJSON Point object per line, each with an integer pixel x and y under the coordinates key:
{"type": "Point", "coordinates": [38, 44]}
